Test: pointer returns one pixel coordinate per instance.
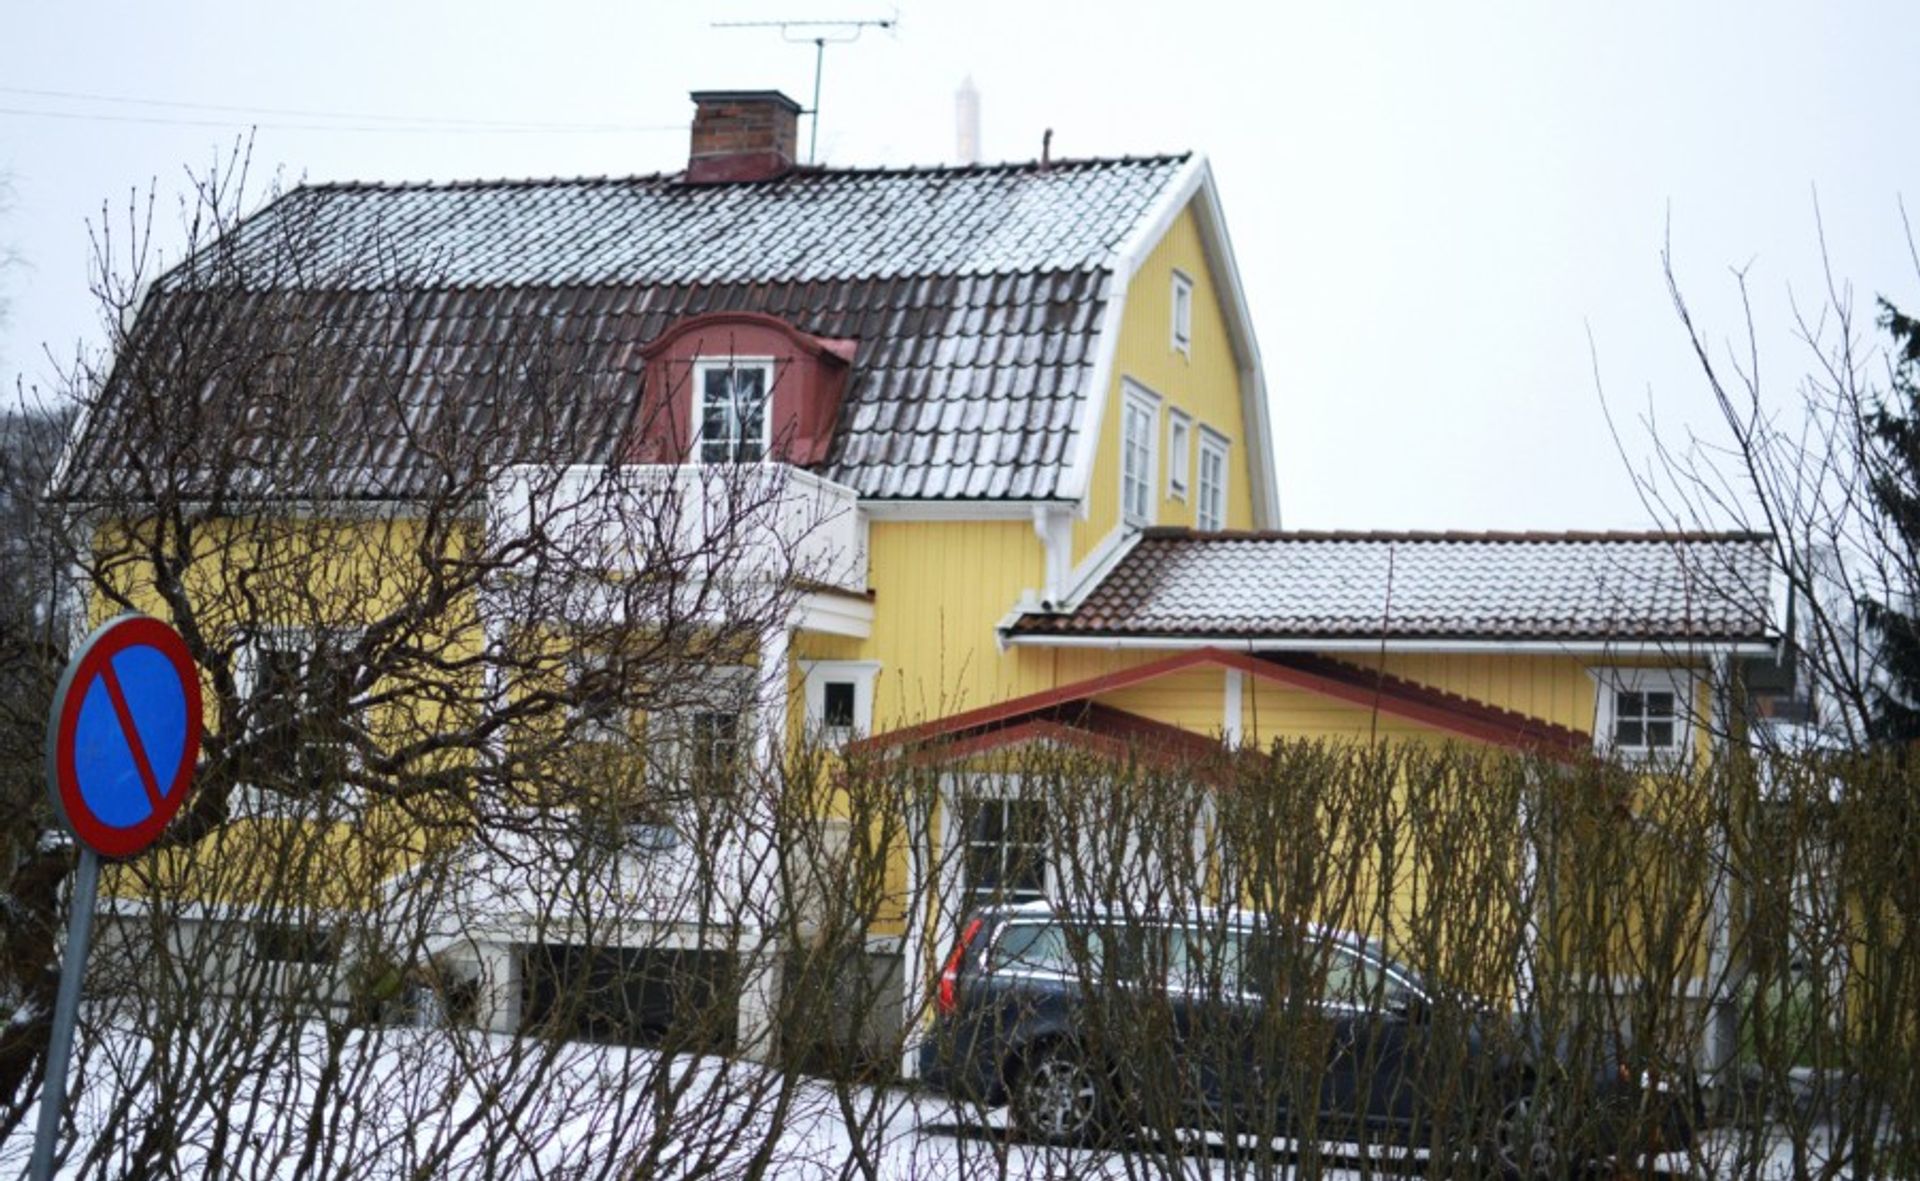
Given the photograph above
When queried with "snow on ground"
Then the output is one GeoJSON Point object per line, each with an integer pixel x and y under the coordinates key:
{"type": "Point", "coordinates": [441, 1103]}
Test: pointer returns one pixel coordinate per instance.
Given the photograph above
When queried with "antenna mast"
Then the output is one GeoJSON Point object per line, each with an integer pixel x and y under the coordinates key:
{"type": "Point", "coordinates": [822, 32]}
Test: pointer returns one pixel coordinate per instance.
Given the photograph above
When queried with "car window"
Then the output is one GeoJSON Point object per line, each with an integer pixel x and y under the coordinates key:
{"type": "Point", "coordinates": [1031, 947]}
{"type": "Point", "coordinates": [1359, 981]}
{"type": "Point", "coordinates": [1209, 959]}
{"type": "Point", "coordinates": [1046, 947]}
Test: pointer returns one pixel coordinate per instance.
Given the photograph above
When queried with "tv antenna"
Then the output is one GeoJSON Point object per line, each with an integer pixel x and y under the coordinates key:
{"type": "Point", "coordinates": [822, 34]}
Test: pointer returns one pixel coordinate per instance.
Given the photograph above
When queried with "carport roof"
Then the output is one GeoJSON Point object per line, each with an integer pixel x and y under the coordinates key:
{"type": "Point", "coordinates": [1684, 589]}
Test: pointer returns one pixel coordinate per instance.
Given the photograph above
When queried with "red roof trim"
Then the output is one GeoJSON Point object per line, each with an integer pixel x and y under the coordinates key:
{"type": "Point", "coordinates": [840, 352]}
{"type": "Point", "coordinates": [1425, 705]}
{"type": "Point", "coordinates": [1114, 733]}
{"type": "Point", "coordinates": [1032, 702]}
{"type": "Point", "coordinates": [1390, 695]}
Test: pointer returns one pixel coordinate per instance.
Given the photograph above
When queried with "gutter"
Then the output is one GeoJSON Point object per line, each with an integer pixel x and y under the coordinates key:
{"type": "Point", "coordinates": [1665, 649]}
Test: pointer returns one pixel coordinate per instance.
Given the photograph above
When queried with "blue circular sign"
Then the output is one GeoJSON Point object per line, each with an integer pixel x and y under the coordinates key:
{"type": "Point", "coordinates": [124, 735]}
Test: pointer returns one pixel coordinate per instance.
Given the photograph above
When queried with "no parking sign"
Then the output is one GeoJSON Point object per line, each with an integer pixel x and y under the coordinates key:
{"type": "Point", "coordinates": [122, 741]}
{"type": "Point", "coordinates": [124, 735]}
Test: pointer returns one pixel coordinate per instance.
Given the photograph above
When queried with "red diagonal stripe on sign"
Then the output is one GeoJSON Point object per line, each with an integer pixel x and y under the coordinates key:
{"type": "Point", "coordinates": [125, 715]}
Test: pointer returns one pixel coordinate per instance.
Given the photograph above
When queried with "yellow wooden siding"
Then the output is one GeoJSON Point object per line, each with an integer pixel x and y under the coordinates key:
{"type": "Point", "coordinates": [1193, 700]}
{"type": "Point", "coordinates": [940, 589]}
{"type": "Point", "coordinates": [1204, 381]}
{"type": "Point", "coordinates": [298, 573]}
{"type": "Point", "coordinates": [1270, 712]}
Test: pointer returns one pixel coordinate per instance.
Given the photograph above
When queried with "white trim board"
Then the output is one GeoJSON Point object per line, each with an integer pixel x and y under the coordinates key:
{"type": "Point", "coordinates": [1193, 184]}
{"type": "Point", "coordinates": [1636, 650]}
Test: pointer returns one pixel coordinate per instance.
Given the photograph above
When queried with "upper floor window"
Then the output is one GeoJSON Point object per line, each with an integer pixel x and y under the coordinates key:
{"type": "Point", "coordinates": [1210, 508]}
{"type": "Point", "coordinates": [1643, 714]}
{"type": "Point", "coordinates": [1182, 313]}
{"type": "Point", "coordinates": [298, 684]}
{"type": "Point", "coordinates": [731, 412]}
{"type": "Point", "coordinates": [714, 747]}
{"type": "Point", "coordinates": [596, 710]}
{"type": "Point", "coordinates": [839, 698]}
{"type": "Point", "coordinates": [1179, 450]}
{"type": "Point", "coordinates": [1138, 429]}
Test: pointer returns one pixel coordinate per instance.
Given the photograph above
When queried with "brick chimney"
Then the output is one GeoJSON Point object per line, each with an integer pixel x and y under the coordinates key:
{"type": "Point", "coordinates": [742, 135]}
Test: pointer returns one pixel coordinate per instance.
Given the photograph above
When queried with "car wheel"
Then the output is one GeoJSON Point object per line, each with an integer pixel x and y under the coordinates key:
{"type": "Point", "coordinates": [1057, 1096]}
{"type": "Point", "coordinates": [1525, 1140]}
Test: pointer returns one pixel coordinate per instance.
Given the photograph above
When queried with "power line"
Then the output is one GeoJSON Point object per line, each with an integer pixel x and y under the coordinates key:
{"type": "Point", "coordinates": [364, 120]}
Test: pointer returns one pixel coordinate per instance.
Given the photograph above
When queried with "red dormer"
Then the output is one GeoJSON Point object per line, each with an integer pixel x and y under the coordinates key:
{"type": "Point", "coordinates": [740, 387]}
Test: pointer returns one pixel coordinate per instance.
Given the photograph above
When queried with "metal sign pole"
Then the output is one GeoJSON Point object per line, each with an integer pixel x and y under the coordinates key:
{"type": "Point", "coordinates": [53, 1092]}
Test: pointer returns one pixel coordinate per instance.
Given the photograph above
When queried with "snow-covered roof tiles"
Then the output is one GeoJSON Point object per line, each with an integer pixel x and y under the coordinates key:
{"type": "Point", "coordinates": [975, 295]}
{"type": "Point", "coordinates": [1573, 587]}
{"type": "Point", "coordinates": [811, 224]}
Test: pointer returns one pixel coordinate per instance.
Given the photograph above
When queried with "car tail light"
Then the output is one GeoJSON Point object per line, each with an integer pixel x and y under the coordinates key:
{"type": "Point", "coordinates": [945, 999]}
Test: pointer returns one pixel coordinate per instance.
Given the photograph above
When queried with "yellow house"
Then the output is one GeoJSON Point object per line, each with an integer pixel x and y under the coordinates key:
{"type": "Point", "coordinates": [1022, 410]}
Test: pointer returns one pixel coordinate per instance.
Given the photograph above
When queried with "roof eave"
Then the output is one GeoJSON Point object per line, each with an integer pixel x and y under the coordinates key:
{"type": "Point", "coordinates": [1192, 185]}
{"type": "Point", "coordinates": [1668, 647]}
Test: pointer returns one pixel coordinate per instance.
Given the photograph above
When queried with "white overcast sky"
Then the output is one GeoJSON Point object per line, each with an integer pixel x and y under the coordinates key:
{"type": "Point", "coordinates": [1434, 205]}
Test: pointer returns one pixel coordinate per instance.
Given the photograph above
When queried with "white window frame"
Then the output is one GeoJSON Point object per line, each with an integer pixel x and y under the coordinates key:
{"type": "Point", "coordinates": [724, 689]}
{"type": "Point", "coordinates": [815, 677]}
{"type": "Point", "coordinates": [1138, 400]}
{"type": "Point", "coordinates": [1210, 511]}
{"type": "Point", "coordinates": [1609, 683]}
{"type": "Point", "coordinates": [706, 365]}
{"type": "Point", "coordinates": [954, 791]}
{"type": "Point", "coordinates": [1179, 453]}
{"type": "Point", "coordinates": [581, 720]}
{"type": "Point", "coordinates": [1181, 299]}
{"type": "Point", "coordinates": [251, 799]}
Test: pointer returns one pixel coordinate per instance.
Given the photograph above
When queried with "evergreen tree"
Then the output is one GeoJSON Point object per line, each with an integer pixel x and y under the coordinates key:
{"type": "Point", "coordinates": [1893, 462]}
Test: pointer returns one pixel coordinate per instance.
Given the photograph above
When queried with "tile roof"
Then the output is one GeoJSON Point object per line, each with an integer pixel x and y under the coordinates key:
{"type": "Point", "coordinates": [1591, 587]}
{"type": "Point", "coordinates": [975, 293]}
{"type": "Point", "coordinates": [811, 224]}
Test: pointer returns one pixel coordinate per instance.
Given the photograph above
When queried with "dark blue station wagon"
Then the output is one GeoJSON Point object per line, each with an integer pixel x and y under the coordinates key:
{"type": "Point", "coordinates": [1089, 1024]}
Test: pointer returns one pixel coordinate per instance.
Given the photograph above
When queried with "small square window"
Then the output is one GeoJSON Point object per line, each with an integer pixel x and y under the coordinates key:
{"type": "Point", "coordinates": [839, 705]}
{"type": "Point", "coordinates": [1642, 713]}
{"type": "Point", "coordinates": [1182, 313]}
{"type": "Point", "coordinates": [839, 699]}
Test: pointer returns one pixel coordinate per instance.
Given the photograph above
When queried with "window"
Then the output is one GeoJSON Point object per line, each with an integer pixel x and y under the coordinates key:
{"type": "Point", "coordinates": [1033, 947]}
{"type": "Point", "coordinates": [1210, 510]}
{"type": "Point", "coordinates": [1642, 714]}
{"type": "Point", "coordinates": [1137, 430]}
{"type": "Point", "coordinates": [714, 745]}
{"type": "Point", "coordinates": [280, 944]}
{"type": "Point", "coordinates": [732, 409]}
{"type": "Point", "coordinates": [299, 688]}
{"type": "Point", "coordinates": [839, 698]}
{"type": "Point", "coordinates": [837, 711]}
{"type": "Point", "coordinates": [1210, 960]}
{"type": "Point", "coordinates": [1182, 313]}
{"type": "Point", "coordinates": [1005, 848]}
{"type": "Point", "coordinates": [594, 700]}
{"type": "Point", "coordinates": [1179, 451]}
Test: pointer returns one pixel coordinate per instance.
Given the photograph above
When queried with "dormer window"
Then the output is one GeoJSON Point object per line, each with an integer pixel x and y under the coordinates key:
{"type": "Point", "coordinates": [733, 394]}
{"type": "Point", "coordinates": [740, 387]}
